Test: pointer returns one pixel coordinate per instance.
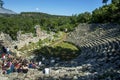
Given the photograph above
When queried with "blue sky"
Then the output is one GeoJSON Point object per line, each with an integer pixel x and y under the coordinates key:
{"type": "Point", "coordinates": [56, 7]}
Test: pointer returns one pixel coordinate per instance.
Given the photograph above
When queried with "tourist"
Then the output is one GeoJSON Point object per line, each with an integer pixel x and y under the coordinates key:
{"type": "Point", "coordinates": [12, 64]}
{"type": "Point", "coordinates": [17, 66]}
{"type": "Point", "coordinates": [4, 67]}
{"type": "Point", "coordinates": [8, 50]}
{"type": "Point", "coordinates": [30, 65]}
{"type": "Point", "coordinates": [3, 56]}
{"type": "Point", "coordinates": [20, 69]}
{"type": "Point", "coordinates": [25, 68]}
{"type": "Point", "coordinates": [8, 67]}
{"type": "Point", "coordinates": [39, 64]}
{"type": "Point", "coordinates": [47, 71]}
{"type": "Point", "coordinates": [12, 67]}
{"type": "Point", "coordinates": [4, 49]}
{"type": "Point", "coordinates": [34, 65]}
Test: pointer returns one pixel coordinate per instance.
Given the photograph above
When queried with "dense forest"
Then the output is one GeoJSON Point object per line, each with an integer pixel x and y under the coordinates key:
{"type": "Point", "coordinates": [25, 21]}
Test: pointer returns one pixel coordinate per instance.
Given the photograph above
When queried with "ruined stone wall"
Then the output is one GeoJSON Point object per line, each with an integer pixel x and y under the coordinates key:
{"type": "Point", "coordinates": [6, 40]}
{"type": "Point", "coordinates": [23, 39]}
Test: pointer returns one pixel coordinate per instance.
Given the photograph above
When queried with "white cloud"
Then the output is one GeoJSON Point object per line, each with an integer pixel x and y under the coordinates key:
{"type": "Point", "coordinates": [37, 9]}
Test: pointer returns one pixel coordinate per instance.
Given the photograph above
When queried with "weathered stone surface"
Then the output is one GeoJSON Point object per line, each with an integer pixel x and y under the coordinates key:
{"type": "Point", "coordinates": [100, 51]}
{"type": "Point", "coordinates": [99, 58]}
{"type": "Point", "coordinates": [24, 40]}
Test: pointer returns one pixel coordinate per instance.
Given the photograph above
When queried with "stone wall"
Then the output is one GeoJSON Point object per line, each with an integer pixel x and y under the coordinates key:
{"type": "Point", "coordinates": [92, 36]}
{"type": "Point", "coordinates": [99, 59]}
{"type": "Point", "coordinates": [23, 39]}
{"type": "Point", "coordinates": [100, 46]}
{"type": "Point", "coordinates": [6, 40]}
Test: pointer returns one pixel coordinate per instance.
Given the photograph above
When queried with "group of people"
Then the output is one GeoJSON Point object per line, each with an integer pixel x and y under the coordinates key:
{"type": "Point", "coordinates": [11, 64]}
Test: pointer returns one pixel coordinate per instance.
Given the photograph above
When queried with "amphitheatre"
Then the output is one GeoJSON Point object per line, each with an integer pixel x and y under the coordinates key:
{"type": "Point", "coordinates": [98, 59]}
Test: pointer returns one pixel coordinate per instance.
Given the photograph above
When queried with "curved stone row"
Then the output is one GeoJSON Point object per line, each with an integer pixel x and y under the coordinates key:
{"type": "Point", "coordinates": [99, 40]}
{"type": "Point", "coordinates": [100, 52]}
{"type": "Point", "coordinates": [100, 56]}
{"type": "Point", "coordinates": [100, 47]}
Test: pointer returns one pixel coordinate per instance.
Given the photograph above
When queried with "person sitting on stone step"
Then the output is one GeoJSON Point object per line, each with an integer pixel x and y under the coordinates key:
{"type": "Point", "coordinates": [25, 68]}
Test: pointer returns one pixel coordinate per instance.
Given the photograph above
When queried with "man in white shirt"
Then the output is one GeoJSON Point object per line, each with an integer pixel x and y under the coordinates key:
{"type": "Point", "coordinates": [39, 63]}
{"type": "Point", "coordinates": [8, 50]}
{"type": "Point", "coordinates": [47, 71]}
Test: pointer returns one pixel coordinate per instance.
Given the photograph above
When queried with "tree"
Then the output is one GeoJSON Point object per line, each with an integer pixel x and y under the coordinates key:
{"type": "Point", "coordinates": [105, 2]}
{"type": "Point", "coordinates": [115, 1]}
{"type": "Point", "coordinates": [84, 17]}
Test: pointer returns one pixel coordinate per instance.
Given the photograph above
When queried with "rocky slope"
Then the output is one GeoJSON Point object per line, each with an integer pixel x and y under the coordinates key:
{"type": "Point", "coordinates": [99, 59]}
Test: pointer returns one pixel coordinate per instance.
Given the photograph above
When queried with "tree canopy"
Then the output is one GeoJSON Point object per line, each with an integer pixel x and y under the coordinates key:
{"type": "Point", "coordinates": [26, 21]}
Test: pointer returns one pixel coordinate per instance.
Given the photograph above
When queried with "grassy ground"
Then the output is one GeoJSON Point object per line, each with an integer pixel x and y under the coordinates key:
{"type": "Point", "coordinates": [66, 45]}
{"type": "Point", "coordinates": [57, 48]}
{"type": "Point", "coordinates": [65, 51]}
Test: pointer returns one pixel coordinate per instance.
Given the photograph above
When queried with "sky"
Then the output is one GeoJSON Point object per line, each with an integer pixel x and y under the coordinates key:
{"type": "Point", "coordinates": [54, 7]}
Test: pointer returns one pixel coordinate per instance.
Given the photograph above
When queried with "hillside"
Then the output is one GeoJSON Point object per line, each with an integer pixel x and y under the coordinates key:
{"type": "Point", "coordinates": [25, 21]}
{"type": "Point", "coordinates": [99, 58]}
{"type": "Point", "coordinates": [85, 46]}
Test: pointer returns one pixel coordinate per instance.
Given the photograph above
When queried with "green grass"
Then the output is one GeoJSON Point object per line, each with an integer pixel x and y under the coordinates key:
{"type": "Point", "coordinates": [65, 51]}
{"type": "Point", "coordinates": [66, 45]}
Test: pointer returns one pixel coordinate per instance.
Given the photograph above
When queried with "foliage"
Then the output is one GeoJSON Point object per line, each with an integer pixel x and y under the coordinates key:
{"type": "Point", "coordinates": [116, 1]}
{"type": "Point", "coordinates": [64, 51]}
{"type": "Point", "coordinates": [107, 14]}
{"type": "Point", "coordinates": [84, 17]}
{"type": "Point", "coordinates": [105, 1]}
{"type": "Point", "coordinates": [26, 21]}
{"type": "Point", "coordinates": [66, 45]}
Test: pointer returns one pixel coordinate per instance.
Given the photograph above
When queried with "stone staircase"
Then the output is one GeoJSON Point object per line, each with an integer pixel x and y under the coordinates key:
{"type": "Point", "coordinates": [99, 58]}
{"type": "Point", "coordinates": [100, 47]}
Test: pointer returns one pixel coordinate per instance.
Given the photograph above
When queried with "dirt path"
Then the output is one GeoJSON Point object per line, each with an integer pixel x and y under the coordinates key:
{"type": "Point", "coordinates": [59, 41]}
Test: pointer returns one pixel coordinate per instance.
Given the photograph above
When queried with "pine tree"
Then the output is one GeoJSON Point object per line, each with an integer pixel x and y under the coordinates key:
{"type": "Point", "coordinates": [105, 2]}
